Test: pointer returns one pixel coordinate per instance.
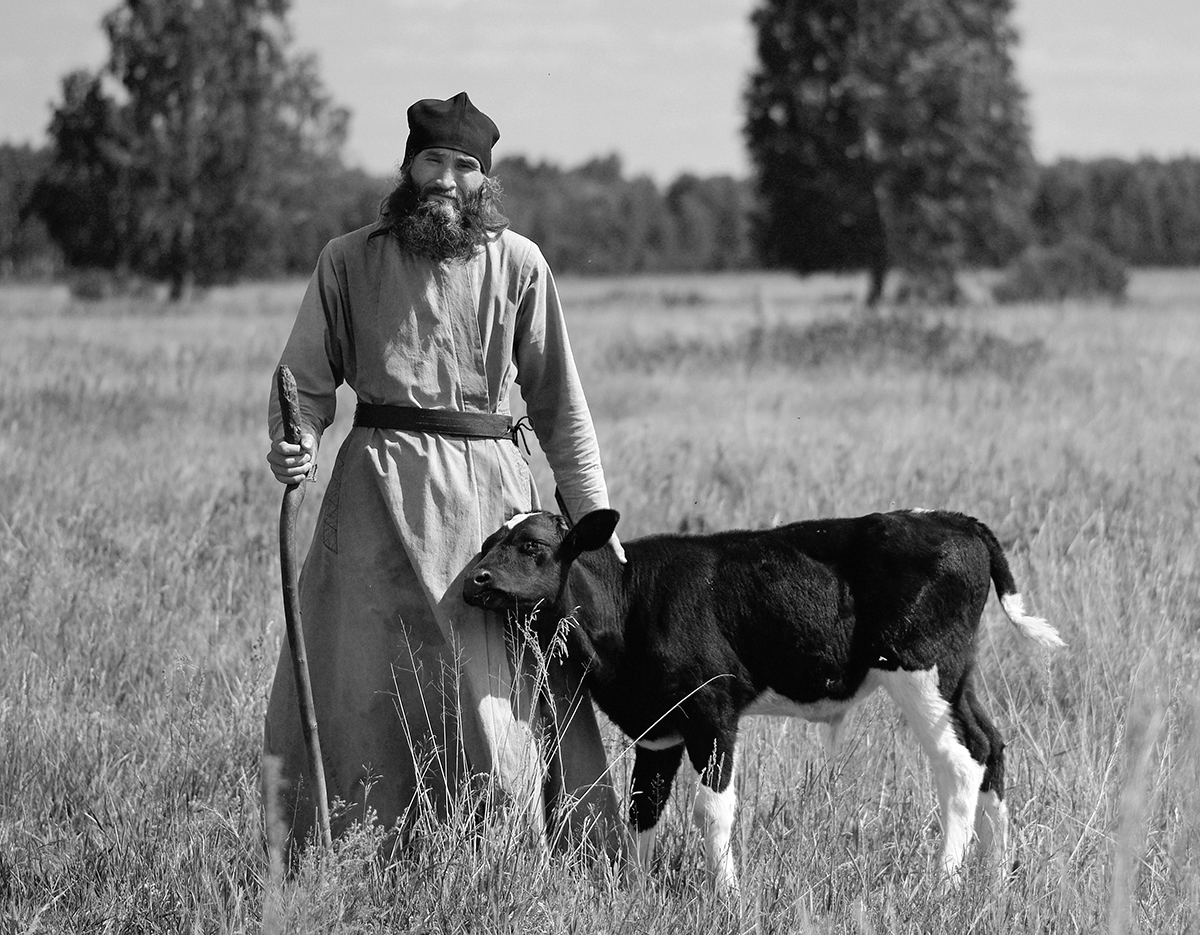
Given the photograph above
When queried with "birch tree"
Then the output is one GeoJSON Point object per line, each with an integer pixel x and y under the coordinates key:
{"type": "Point", "coordinates": [204, 125]}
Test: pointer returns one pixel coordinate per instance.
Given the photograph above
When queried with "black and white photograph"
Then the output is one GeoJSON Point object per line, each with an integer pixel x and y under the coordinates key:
{"type": "Point", "coordinates": [505, 467]}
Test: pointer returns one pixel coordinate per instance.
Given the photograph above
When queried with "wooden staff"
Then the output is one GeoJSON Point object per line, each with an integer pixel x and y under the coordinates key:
{"type": "Point", "coordinates": [293, 496]}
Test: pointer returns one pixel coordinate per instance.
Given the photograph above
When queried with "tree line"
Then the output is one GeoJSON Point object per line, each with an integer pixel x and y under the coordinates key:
{"type": "Point", "coordinates": [595, 219]}
{"type": "Point", "coordinates": [1146, 211]}
{"type": "Point", "coordinates": [592, 219]}
{"type": "Point", "coordinates": [885, 134]}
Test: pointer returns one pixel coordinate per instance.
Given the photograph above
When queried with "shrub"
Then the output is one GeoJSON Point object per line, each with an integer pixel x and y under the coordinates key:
{"type": "Point", "coordinates": [1075, 268]}
{"type": "Point", "coordinates": [97, 285]}
{"type": "Point", "coordinates": [935, 284]}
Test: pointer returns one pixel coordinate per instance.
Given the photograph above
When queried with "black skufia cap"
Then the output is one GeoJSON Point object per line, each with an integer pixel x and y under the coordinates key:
{"type": "Point", "coordinates": [453, 124]}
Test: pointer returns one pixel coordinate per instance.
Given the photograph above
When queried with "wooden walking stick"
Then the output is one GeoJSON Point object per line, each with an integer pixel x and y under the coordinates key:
{"type": "Point", "coordinates": [289, 405]}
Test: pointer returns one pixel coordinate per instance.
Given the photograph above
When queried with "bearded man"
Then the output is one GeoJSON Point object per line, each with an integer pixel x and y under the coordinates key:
{"type": "Point", "coordinates": [430, 315]}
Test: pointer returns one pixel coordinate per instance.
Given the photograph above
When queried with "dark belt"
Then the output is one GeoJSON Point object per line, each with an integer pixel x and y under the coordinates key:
{"type": "Point", "coordinates": [434, 421]}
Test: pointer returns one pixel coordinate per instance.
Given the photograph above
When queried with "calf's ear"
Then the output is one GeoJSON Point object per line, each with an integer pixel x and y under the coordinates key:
{"type": "Point", "coordinates": [591, 532]}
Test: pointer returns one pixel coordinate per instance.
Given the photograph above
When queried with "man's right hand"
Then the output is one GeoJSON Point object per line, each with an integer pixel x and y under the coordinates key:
{"type": "Point", "coordinates": [291, 463]}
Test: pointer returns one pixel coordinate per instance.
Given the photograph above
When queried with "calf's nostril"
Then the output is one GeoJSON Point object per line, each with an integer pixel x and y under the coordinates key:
{"type": "Point", "coordinates": [482, 577]}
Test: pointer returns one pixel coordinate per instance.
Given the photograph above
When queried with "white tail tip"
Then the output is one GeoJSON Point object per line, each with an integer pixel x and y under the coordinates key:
{"type": "Point", "coordinates": [1032, 628]}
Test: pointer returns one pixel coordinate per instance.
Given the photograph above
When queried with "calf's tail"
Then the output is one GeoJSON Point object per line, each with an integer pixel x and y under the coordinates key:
{"type": "Point", "coordinates": [1032, 628]}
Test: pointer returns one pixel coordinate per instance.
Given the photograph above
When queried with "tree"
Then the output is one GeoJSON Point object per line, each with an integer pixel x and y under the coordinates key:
{"type": "Point", "coordinates": [83, 196]}
{"type": "Point", "coordinates": [190, 143]}
{"type": "Point", "coordinates": [25, 245]}
{"type": "Point", "coordinates": [887, 133]}
{"type": "Point", "coordinates": [805, 135]}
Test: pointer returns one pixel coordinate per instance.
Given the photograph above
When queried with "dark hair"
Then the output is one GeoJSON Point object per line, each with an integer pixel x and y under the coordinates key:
{"type": "Point", "coordinates": [481, 214]}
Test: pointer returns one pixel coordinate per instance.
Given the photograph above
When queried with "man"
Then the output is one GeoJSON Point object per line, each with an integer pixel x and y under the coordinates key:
{"type": "Point", "coordinates": [430, 314]}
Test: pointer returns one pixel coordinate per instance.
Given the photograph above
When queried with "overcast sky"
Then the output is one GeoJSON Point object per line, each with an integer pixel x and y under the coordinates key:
{"type": "Point", "coordinates": [657, 81]}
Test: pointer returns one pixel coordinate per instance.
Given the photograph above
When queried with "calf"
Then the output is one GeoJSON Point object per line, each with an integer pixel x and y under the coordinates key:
{"type": "Point", "coordinates": [693, 632]}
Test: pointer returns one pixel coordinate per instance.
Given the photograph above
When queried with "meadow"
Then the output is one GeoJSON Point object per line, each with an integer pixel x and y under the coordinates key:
{"type": "Point", "coordinates": [140, 617]}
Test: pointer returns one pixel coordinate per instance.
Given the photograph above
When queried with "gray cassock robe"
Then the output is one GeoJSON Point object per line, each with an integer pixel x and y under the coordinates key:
{"type": "Point", "coordinates": [412, 686]}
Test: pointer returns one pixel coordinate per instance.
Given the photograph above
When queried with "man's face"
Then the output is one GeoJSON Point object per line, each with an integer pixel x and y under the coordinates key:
{"type": "Point", "coordinates": [445, 177]}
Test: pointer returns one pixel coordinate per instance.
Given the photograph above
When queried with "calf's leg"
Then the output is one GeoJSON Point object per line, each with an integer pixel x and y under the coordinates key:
{"type": "Point", "coordinates": [957, 774]}
{"type": "Point", "coordinates": [649, 788]}
{"type": "Point", "coordinates": [991, 821]}
{"type": "Point", "coordinates": [716, 807]}
{"type": "Point", "coordinates": [831, 736]}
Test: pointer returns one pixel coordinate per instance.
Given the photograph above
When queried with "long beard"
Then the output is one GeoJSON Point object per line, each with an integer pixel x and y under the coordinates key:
{"type": "Point", "coordinates": [434, 230]}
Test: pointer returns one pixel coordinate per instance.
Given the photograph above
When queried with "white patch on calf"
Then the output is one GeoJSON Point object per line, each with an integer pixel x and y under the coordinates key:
{"type": "Point", "coordinates": [659, 743]}
{"type": "Point", "coordinates": [713, 814]}
{"type": "Point", "coordinates": [516, 521]}
{"type": "Point", "coordinates": [830, 713]}
{"type": "Point", "coordinates": [645, 846]}
{"type": "Point", "coordinates": [824, 710]}
{"type": "Point", "coordinates": [1033, 628]}
{"type": "Point", "coordinates": [955, 772]}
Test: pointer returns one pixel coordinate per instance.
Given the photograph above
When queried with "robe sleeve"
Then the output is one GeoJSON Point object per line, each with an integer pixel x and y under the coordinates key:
{"type": "Point", "coordinates": [315, 348]}
{"type": "Point", "coordinates": [553, 393]}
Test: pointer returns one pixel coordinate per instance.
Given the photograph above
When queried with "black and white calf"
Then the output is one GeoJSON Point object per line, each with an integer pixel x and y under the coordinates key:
{"type": "Point", "coordinates": [693, 632]}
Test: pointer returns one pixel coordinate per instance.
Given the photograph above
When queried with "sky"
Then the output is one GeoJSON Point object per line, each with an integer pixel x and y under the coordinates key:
{"type": "Point", "coordinates": [657, 81]}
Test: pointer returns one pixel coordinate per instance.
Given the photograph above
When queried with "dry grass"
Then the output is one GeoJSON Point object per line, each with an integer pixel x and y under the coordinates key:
{"type": "Point", "coordinates": [141, 619]}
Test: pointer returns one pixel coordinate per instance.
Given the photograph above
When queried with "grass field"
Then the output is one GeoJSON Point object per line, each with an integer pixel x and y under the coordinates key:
{"type": "Point", "coordinates": [140, 618]}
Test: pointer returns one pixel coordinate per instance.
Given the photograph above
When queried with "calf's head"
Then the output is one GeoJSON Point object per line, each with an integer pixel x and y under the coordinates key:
{"type": "Point", "coordinates": [525, 562]}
